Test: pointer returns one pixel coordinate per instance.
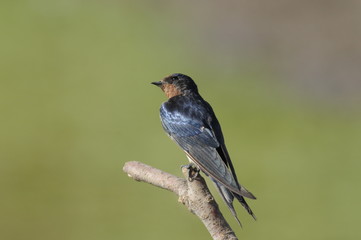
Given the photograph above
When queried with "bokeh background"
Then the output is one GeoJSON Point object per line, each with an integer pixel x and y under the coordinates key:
{"type": "Point", "coordinates": [282, 76]}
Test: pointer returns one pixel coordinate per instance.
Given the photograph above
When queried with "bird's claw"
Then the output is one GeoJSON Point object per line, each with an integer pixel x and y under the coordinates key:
{"type": "Point", "coordinates": [192, 171]}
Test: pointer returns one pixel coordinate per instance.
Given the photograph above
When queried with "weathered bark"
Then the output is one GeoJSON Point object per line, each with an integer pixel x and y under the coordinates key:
{"type": "Point", "coordinates": [195, 195]}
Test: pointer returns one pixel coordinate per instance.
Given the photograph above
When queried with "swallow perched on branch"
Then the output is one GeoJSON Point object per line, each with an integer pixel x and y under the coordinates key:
{"type": "Point", "coordinates": [190, 121]}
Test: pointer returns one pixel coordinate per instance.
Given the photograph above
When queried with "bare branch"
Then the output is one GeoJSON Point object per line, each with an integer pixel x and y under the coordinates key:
{"type": "Point", "coordinates": [194, 195]}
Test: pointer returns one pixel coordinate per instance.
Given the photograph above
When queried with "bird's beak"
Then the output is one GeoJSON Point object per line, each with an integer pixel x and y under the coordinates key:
{"type": "Point", "coordinates": [157, 83]}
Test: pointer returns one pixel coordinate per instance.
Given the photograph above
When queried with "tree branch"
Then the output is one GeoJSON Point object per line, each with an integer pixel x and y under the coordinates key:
{"type": "Point", "coordinates": [194, 195]}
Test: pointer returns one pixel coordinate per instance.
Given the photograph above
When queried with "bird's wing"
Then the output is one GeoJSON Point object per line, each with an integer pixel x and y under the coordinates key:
{"type": "Point", "coordinates": [223, 153]}
{"type": "Point", "coordinates": [200, 145]}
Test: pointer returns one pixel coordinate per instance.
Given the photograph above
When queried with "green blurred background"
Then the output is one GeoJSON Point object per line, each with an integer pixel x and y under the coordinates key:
{"type": "Point", "coordinates": [282, 76]}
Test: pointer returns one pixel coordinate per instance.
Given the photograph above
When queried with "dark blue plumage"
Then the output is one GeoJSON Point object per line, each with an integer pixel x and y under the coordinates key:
{"type": "Point", "coordinates": [190, 121]}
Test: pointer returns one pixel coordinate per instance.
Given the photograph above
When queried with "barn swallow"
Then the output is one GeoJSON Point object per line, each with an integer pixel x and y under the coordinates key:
{"type": "Point", "coordinates": [190, 121]}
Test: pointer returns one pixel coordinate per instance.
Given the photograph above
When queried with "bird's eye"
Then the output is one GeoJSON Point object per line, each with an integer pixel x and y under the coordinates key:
{"type": "Point", "coordinates": [174, 78]}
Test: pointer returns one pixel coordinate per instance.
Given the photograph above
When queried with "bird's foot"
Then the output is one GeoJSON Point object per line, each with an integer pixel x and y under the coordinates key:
{"type": "Point", "coordinates": [192, 171]}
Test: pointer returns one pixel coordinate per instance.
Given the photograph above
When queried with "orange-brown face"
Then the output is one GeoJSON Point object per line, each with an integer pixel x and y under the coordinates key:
{"type": "Point", "coordinates": [176, 84]}
{"type": "Point", "coordinates": [170, 90]}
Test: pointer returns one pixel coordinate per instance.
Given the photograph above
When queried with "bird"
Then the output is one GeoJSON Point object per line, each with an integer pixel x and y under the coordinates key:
{"type": "Point", "coordinates": [190, 121]}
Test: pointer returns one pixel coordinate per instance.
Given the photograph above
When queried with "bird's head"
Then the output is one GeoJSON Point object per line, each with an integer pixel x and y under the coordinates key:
{"type": "Point", "coordinates": [177, 84]}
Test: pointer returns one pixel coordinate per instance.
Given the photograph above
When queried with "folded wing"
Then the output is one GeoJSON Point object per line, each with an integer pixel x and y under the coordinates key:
{"type": "Point", "coordinates": [200, 144]}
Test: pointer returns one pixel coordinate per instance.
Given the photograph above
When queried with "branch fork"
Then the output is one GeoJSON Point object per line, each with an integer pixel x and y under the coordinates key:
{"type": "Point", "coordinates": [193, 193]}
